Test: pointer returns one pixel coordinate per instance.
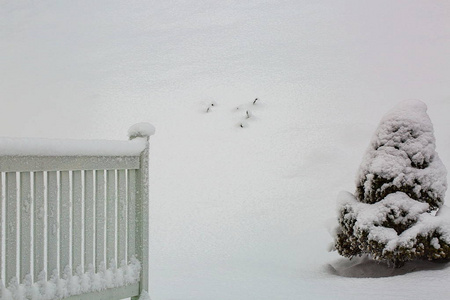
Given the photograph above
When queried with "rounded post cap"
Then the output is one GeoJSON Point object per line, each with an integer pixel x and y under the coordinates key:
{"type": "Point", "coordinates": [142, 129]}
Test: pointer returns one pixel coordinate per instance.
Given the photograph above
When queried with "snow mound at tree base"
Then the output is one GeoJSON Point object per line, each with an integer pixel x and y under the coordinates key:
{"type": "Point", "coordinates": [365, 267]}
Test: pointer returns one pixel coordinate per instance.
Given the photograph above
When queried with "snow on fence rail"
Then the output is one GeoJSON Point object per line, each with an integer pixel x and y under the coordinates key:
{"type": "Point", "coordinates": [74, 217]}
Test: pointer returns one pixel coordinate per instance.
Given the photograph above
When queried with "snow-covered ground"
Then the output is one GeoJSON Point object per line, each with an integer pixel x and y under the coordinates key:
{"type": "Point", "coordinates": [236, 213]}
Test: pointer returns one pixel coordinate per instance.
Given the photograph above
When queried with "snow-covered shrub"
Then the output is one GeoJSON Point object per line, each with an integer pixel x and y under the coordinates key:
{"type": "Point", "coordinates": [401, 181]}
{"type": "Point", "coordinates": [402, 157]}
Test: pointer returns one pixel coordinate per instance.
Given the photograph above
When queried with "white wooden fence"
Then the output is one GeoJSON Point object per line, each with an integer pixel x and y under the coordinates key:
{"type": "Point", "coordinates": [74, 218]}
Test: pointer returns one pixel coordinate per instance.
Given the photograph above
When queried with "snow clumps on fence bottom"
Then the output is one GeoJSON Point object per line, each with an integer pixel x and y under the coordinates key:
{"type": "Point", "coordinates": [70, 285]}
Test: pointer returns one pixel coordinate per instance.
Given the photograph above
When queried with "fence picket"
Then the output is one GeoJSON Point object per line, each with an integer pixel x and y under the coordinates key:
{"type": "Point", "coordinates": [1, 225]}
{"type": "Point", "coordinates": [88, 219]}
{"type": "Point", "coordinates": [64, 221]}
{"type": "Point", "coordinates": [39, 223]}
{"type": "Point", "coordinates": [52, 223]}
{"type": "Point", "coordinates": [121, 216]}
{"type": "Point", "coordinates": [99, 218]}
{"type": "Point", "coordinates": [131, 213]}
{"type": "Point", "coordinates": [11, 226]}
{"type": "Point", "coordinates": [25, 224]}
{"type": "Point", "coordinates": [111, 216]}
{"type": "Point", "coordinates": [77, 217]}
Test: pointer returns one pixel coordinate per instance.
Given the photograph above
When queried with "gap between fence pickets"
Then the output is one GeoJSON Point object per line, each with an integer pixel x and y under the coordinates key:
{"type": "Point", "coordinates": [72, 285]}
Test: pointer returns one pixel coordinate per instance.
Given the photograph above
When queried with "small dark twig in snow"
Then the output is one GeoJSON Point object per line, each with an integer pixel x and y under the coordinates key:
{"type": "Point", "coordinates": [207, 110]}
{"type": "Point", "coordinates": [248, 114]}
{"type": "Point", "coordinates": [254, 102]}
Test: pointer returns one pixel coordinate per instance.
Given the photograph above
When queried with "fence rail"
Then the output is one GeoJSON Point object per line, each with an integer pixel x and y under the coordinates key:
{"type": "Point", "coordinates": [74, 225]}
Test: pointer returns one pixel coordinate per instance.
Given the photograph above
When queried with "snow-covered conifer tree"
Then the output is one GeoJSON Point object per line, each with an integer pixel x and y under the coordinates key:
{"type": "Point", "coordinates": [402, 157]}
{"type": "Point", "coordinates": [400, 181]}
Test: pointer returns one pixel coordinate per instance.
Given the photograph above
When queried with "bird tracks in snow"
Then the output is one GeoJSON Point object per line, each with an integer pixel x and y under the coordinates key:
{"type": "Point", "coordinates": [244, 113]}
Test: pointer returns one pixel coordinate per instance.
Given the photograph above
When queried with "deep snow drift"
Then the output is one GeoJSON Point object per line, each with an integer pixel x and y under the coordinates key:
{"type": "Point", "coordinates": [236, 213]}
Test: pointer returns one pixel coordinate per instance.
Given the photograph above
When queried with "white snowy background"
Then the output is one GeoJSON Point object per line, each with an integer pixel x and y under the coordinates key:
{"type": "Point", "coordinates": [236, 213]}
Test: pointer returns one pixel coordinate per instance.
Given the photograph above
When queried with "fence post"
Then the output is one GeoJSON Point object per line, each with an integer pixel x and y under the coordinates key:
{"type": "Point", "coordinates": [142, 131]}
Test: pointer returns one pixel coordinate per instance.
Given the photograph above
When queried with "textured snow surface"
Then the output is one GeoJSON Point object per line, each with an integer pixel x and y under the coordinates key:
{"type": "Point", "coordinates": [236, 213]}
{"type": "Point", "coordinates": [60, 147]}
{"type": "Point", "coordinates": [69, 285]}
